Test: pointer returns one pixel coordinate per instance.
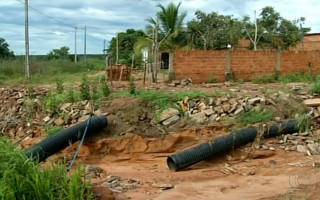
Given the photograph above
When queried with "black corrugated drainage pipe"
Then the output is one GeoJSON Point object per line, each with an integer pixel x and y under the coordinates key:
{"type": "Point", "coordinates": [61, 140]}
{"type": "Point", "coordinates": [224, 144]}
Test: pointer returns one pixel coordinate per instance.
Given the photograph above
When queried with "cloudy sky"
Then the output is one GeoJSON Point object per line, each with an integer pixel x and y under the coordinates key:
{"type": "Point", "coordinates": [52, 22]}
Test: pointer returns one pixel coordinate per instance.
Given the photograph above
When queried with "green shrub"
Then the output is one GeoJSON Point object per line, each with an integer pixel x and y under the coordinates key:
{"type": "Point", "coordinates": [304, 123]}
{"type": "Point", "coordinates": [85, 88]}
{"type": "Point", "coordinates": [59, 84]}
{"type": "Point", "coordinates": [22, 179]}
{"type": "Point", "coordinates": [132, 89]}
{"type": "Point", "coordinates": [105, 88]}
{"type": "Point", "coordinates": [94, 93]}
{"type": "Point", "coordinates": [212, 79]}
{"type": "Point", "coordinates": [291, 78]}
{"type": "Point", "coordinates": [70, 95]}
{"type": "Point", "coordinates": [315, 89]}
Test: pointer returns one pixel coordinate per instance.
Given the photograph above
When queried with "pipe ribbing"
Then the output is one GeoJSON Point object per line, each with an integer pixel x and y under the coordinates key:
{"type": "Point", "coordinates": [61, 140]}
{"type": "Point", "coordinates": [224, 144]}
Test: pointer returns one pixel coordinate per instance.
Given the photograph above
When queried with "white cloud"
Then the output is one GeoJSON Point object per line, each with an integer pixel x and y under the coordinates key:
{"type": "Point", "coordinates": [52, 22]}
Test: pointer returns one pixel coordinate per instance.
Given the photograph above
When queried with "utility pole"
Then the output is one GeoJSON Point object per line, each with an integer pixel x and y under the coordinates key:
{"type": "Point", "coordinates": [85, 45]}
{"type": "Point", "coordinates": [27, 39]}
{"type": "Point", "coordinates": [75, 44]}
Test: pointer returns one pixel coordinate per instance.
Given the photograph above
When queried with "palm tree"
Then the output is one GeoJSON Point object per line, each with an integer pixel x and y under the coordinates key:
{"type": "Point", "coordinates": [164, 33]}
{"type": "Point", "coordinates": [171, 25]}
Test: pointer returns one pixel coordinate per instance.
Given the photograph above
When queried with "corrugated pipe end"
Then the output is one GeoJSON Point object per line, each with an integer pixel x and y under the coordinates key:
{"type": "Point", "coordinates": [172, 164]}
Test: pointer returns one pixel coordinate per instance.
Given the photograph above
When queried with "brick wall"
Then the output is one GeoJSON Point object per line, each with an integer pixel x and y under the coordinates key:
{"type": "Point", "coordinates": [200, 65]}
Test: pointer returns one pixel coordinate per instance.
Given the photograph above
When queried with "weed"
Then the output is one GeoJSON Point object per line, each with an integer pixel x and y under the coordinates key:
{"type": "Point", "coordinates": [304, 123]}
{"type": "Point", "coordinates": [52, 101]}
{"type": "Point", "coordinates": [132, 89]}
{"type": "Point", "coordinates": [94, 93]}
{"type": "Point", "coordinates": [105, 88]}
{"type": "Point", "coordinates": [31, 92]}
{"type": "Point", "coordinates": [269, 78]}
{"type": "Point", "coordinates": [253, 116]}
{"type": "Point", "coordinates": [240, 81]}
{"type": "Point", "coordinates": [51, 129]}
{"type": "Point", "coordinates": [212, 79]}
{"type": "Point", "coordinates": [59, 84]}
{"type": "Point", "coordinates": [70, 95]}
{"type": "Point", "coordinates": [315, 89]}
{"type": "Point", "coordinates": [298, 77]}
{"type": "Point", "coordinates": [85, 88]}
{"type": "Point", "coordinates": [22, 179]}
{"type": "Point", "coordinates": [29, 107]}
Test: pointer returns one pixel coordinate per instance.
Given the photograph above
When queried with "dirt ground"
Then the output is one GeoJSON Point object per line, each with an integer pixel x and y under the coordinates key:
{"type": "Point", "coordinates": [139, 151]}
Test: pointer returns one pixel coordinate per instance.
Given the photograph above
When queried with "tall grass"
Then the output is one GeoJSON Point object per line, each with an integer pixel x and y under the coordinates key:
{"type": "Point", "coordinates": [45, 71]}
{"type": "Point", "coordinates": [22, 179]}
{"type": "Point", "coordinates": [298, 77]}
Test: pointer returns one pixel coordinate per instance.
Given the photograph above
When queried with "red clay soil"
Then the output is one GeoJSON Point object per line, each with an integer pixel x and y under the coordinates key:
{"type": "Point", "coordinates": [246, 173]}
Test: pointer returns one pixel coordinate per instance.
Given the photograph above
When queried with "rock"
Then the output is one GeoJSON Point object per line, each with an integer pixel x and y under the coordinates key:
{"type": "Point", "coordinates": [293, 148]}
{"type": "Point", "coordinates": [224, 99]}
{"type": "Point", "coordinates": [66, 107]}
{"type": "Point", "coordinates": [171, 120]}
{"type": "Point", "coordinates": [239, 110]}
{"type": "Point", "coordinates": [208, 112]}
{"type": "Point", "coordinates": [233, 108]}
{"type": "Point", "coordinates": [265, 147]}
{"type": "Point", "coordinates": [232, 101]}
{"type": "Point", "coordinates": [312, 102]}
{"type": "Point", "coordinates": [277, 119]}
{"type": "Point", "coordinates": [226, 107]}
{"type": "Point", "coordinates": [316, 165]}
{"type": "Point", "coordinates": [218, 102]}
{"type": "Point", "coordinates": [248, 173]}
{"type": "Point", "coordinates": [301, 149]}
{"type": "Point", "coordinates": [202, 106]}
{"type": "Point", "coordinates": [88, 109]}
{"type": "Point", "coordinates": [163, 186]}
{"type": "Point", "coordinates": [184, 82]}
{"type": "Point", "coordinates": [97, 112]}
{"type": "Point", "coordinates": [253, 101]}
{"type": "Point", "coordinates": [59, 121]}
{"type": "Point", "coordinates": [234, 90]}
{"type": "Point", "coordinates": [314, 148]}
{"type": "Point", "coordinates": [272, 148]}
{"type": "Point", "coordinates": [285, 138]}
{"type": "Point", "coordinates": [184, 107]}
{"type": "Point", "coordinates": [167, 113]}
{"type": "Point", "coordinates": [211, 101]}
{"type": "Point", "coordinates": [213, 117]}
{"type": "Point", "coordinates": [199, 117]}
{"type": "Point", "coordinates": [304, 133]}
{"type": "Point", "coordinates": [218, 109]}
{"type": "Point", "coordinates": [191, 103]}
{"type": "Point", "coordinates": [46, 119]}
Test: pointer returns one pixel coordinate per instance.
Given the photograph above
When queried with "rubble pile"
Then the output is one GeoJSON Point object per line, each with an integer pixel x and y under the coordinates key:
{"type": "Point", "coordinates": [215, 109]}
{"type": "Point", "coordinates": [23, 113]}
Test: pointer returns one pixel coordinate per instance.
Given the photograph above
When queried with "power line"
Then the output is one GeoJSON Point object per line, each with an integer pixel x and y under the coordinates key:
{"type": "Point", "coordinates": [48, 16]}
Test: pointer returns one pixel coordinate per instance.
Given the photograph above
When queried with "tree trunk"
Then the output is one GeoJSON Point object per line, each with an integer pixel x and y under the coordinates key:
{"type": "Point", "coordinates": [171, 70]}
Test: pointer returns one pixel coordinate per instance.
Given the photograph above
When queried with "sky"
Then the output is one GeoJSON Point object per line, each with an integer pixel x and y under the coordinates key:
{"type": "Point", "coordinates": [52, 23]}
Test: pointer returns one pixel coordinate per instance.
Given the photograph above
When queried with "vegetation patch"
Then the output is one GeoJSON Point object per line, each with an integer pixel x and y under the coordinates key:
{"type": "Point", "coordinates": [253, 116]}
{"type": "Point", "coordinates": [21, 178]}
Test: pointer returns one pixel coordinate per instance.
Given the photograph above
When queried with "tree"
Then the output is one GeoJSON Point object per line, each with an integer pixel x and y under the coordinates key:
{"type": "Point", "coordinates": [62, 53]}
{"type": "Point", "coordinates": [167, 33]}
{"type": "Point", "coordinates": [214, 31]}
{"type": "Point", "coordinates": [126, 42]}
{"type": "Point", "coordinates": [274, 31]}
{"type": "Point", "coordinates": [5, 52]}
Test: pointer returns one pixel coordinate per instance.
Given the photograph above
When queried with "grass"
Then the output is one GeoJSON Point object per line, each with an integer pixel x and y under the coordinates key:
{"type": "Point", "coordinates": [12, 72]}
{"type": "Point", "coordinates": [298, 77]}
{"type": "Point", "coordinates": [304, 123]}
{"type": "Point", "coordinates": [252, 117]}
{"type": "Point", "coordinates": [21, 178]}
{"type": "Point", "coordinates": [269, 78]}
{"type": "Point", "coordinates": [315, 88]}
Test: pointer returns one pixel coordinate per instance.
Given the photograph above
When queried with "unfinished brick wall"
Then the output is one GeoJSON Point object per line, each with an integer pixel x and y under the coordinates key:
{"type": "Point", "coordinates": [201, 65]}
